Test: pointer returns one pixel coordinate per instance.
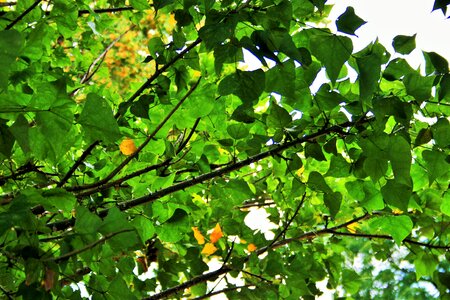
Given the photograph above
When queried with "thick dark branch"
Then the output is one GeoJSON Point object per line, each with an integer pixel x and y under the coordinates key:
{"type": "Point", "coordinates": [7, 4]}
{"type": "Point", "coordinates": [77, 163]}
{"type": "Point", "coordinates": [388, 237]}
{"type": "Point", "coordinates": [139, 149]}
{"type": "Point", "coordinates": [87, 247]}
{"type": "Point", "coordinates": [22, 15]}
{"type": "Point", "coordinates": [119, 181]}
{"type": "Point", "coordinates": [194, 281]}
{"type": "Point", "coordinates": [104, 10]}
{"type": "Point", "coordinates": [61, 225]}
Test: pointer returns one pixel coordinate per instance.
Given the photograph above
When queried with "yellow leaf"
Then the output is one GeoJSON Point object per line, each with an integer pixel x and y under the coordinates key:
{"type": "Point", "coordinates": [216, 234]}
{"type": "Point", "coordinates": [209, 249]}
{"type": "Point", "coordinates": [300, 171]}
{"type": "Point", "coordinates": [353, 227]}
{"type": "Point", "coordinates": [198, 236]}
{"type": "Point", "coordinates": [251, 247]}
{"type": "Point", "coordinates": [397, 211]}
{"type": "Point", "coordinates": [127, 146]}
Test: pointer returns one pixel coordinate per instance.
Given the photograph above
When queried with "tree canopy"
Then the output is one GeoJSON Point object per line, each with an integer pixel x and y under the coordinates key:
{"type": "Point", "coordinates": [138, 149]}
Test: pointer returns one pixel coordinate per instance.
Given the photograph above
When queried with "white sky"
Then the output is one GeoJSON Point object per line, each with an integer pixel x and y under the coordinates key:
{"type": "Point", "coordinates": [388, 18]}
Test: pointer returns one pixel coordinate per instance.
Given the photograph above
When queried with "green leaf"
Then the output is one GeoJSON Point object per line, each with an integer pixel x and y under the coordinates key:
{"type": "Point", "coordinates": [375, 167]}
{"type": "Point", "coordinates": [20, 132]}
{"type": "Point", "coordinates": [404, 44]}
{"type": "Point", "coordinates": [400, 158]}
{"type": "Point", "coordinates": [423, 137]}
{"type": "Point", "coordinates": [399, 227]}
{"type": "Point", "coordinates": [333, 202]}
{"type": "Point", "coordinates": [441, 132]}
{"type": "Point", "coordinates": [86, 222]}
{"type": "Point", "coordinates": [316, 182]}
{"type": "Point", "coordinates": [246, 85]}
{"type": "Point", "coordinates": [278, 117]}
{"type": "Point", "coordinates": [140, 4]}
{"type": "Point", "coordinates": [396, 194]}
{"type": "Point", "coordinates": [315, 151]}
{"type": "Point", "coordinates": [444, 88]}
{"type": "Point", "coordinates": [141, 107]}
{"type": "Point", "coordinates": [11, 43]}
{"type": "Point", "coordinates": [237, 131]}
{"type": "Point", "coordinates": [418, 86]}
{"type": "Point", "coordinates": [118, 289]}
{"type": "Point", "coordinates": [333, 51]}
{"type": "Point", "coordinates": [369, 62]}
{"type": "Point", "coordinates": [397, 69]}
{"type": "Point", "coordinates": [436, 63]}
{"type": "Point", "coordinates": [98, 121]}
{"type": "Point", "coordinates": [349, 22]}
{"type": "Point", "coordinates": [445, 206]}
{"type": "Point", "coordinates": [6, 139]}
{"type": "Point", "coordinates": [339, 167]}
{"type": "Point", "coordinates": [59, 199]}
{"type": "Point", "coordinates": [436, 164]}
{"type": "Point", "coordinates": [174, 228]}
{"type": "Point", "coordinates": [426, 264]}
{"type": "Point", "coordinates": [144, 227]}
{"type": "Point", "coordinates": [328, 99]}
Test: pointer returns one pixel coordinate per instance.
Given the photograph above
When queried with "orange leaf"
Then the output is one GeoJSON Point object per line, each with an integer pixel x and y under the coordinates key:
{"type": "Point", "coordinates": [209, 249]}
{"type": "Point", "coordinates": [216, 234]}
{"type": "Point", "coordinates": [49, 281]}
{"type": "Point", "coordinates": [251, 247]}
{"type": "Point", "coordinates": [198, 236]}
{"type": "Point", "coordinates": [353, 227]}
{"type": "Point", "coordinates": [127, 146]}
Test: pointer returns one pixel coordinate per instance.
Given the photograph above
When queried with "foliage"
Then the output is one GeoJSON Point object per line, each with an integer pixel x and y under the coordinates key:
{"type": "Point", "coordinates": [136, 141]}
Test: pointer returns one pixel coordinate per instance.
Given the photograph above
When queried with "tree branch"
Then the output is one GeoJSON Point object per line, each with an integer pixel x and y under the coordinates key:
{"type": "Point", "coordinates": [22, 15]}
{"type": "Point", "coordinates": [194, 281]}
{"type": "Point", "coordinates": [64, 224]}
{"type": "Point", "coordinates": [223, 291]}
{"type": "Point", "coordinates": [104, 10]}
{"type": "Point", "coordinates": [7, 4]}
{"type": "Point", "coordinates": [87, 247]}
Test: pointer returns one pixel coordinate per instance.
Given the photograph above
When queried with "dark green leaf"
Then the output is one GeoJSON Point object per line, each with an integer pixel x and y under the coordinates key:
{"type": "Point", "coordinates": [11, 43]}
{"type": "Point", "coordinates": [246, 85]}
{"type": "Point", "coordinates": [441, 132]}
{"type": "Point", "coordinates": [333, 202]}
{"type": "Point", "coordinates": [316, 182]}
{"type": "Point", "coordinates": [333, 51]}
{"type": "Point", "coordinates": [278, 116]}
{"type": "Point", "coordinates": [404, 44]}
{"type": "Point", "coordinates": [349, 22]}
{"type": "Point", "coordinates": [237, 131]}
{"type": "Point", "coordinates": [98, 120]}
{"type": "Point", "coordinates": [396, 194]}
{"type": "Point", "coordinates": [435, 62]}
{"type": "Point", "coordinates": [418, 86]}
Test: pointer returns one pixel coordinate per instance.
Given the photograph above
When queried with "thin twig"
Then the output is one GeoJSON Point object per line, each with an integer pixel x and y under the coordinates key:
{"type": "Point", "coordinates": [208, 295]}
{"type": "Point", "coordinates": [104, 10]}
{"type": "Point", "coordinates": [87, 247]}
{"type": "Point", "coordinates": [22, 15]}
{"type": "Point", "coordinates": [286, 227]}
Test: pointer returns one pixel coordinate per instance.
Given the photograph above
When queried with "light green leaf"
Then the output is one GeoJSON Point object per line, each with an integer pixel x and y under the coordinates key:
{"type": "Point", "coordinates": [333, 51]}
{"type": "Point", "coordinates": [445, 206]}
{"type": "Point", "coordinates": [426, 264]}
{"type": "Point", "coordinates": [140, 4]}
{"type": "Point", "coordinates": [399, 227]}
